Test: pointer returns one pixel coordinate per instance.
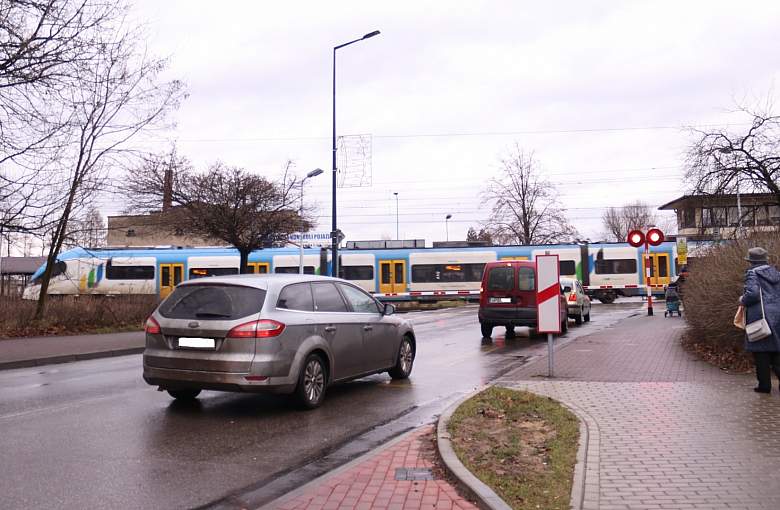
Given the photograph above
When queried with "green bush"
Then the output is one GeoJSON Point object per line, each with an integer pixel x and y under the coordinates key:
{"type": "Point", "coordinates": [710, 297]}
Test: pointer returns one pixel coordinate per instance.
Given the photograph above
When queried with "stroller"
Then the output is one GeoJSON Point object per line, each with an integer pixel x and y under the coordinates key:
{"type": "Point", "coordinates": [672, 301]}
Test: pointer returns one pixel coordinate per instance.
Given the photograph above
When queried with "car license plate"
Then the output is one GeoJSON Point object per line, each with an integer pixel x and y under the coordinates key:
{"type": "Point", "coordinates": [500, 300]}
{"type": "Point", "coordinates": [197, 343]}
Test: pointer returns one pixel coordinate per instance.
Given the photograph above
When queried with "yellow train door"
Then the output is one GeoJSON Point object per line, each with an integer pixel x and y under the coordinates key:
{"type": "Point", "coordinates": [170, 276]}
{"type": "Point", "coordinates": [659, 268]}
{"type": "Point", "coordinates": [392, 276]}
{"type": "Point", "coordinates": [258, 267]}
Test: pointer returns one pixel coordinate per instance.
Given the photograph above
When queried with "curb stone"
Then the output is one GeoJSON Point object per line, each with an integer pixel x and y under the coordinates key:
{"type": "Point", "coordinates": [481, 492]}
{"type": "Point", "coordinates": [484, 494]}
{"type": "Point", "coordinates": [67, 358]}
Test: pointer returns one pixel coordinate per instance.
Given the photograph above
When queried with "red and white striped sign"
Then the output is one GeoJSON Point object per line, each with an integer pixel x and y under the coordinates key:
{"type": "Point", "coordinates": [548, 290]}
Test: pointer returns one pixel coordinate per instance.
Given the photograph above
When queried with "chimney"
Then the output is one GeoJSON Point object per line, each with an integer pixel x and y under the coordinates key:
{"type": "Point", "coordinates": [167, 189]}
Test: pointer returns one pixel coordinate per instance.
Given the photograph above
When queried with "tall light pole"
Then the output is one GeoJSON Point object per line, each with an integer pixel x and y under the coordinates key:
{"type": "Point", "coordinates": [447, 226]}
{"type": "Point", "coordinates": [334, 232]}
{"type": "Point", "coordinates": [313, 173]}
{"type": "Point", "coordinates": [396, 215]}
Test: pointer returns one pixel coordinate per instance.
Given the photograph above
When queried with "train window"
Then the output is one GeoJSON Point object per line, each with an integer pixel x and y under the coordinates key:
{"type": "Point", "coordinates": [567, 267]}
{"type": "Point", "coordinates": [357, 272]}
{"type": "Point", "coordinates": [427, 273]}
{"type": "Point", "coordinates": [296, 297]}
{"type": "Point", "coordinates": [201, 272]}
{"type": "Point", "coordinates": [293, 269]}
{"type": "Point", "coordinates": [616, 266]}
{"type": "Point", "coordinates": [129, 272]}
{"type": "Point", "coordinates": [501, 278]}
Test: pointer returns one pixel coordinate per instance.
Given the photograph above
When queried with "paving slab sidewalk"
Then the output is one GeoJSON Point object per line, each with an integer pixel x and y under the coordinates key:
{"type": "Point", "coordinates": [372, 481]}
{"type": "Point", "coordinates": [35, 351]}
{"type": "Point", "coordinates": [665, 430]}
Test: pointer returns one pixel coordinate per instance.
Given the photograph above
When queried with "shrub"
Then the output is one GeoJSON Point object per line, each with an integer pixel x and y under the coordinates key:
{"type": "Point", "coordinates": [75, 314]}
{"type": "Point", "coordinates": [710, 297]}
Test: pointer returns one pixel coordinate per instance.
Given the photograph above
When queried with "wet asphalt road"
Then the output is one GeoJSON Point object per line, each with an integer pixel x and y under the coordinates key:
{"type": "Point", "coordinates": [92, 434]}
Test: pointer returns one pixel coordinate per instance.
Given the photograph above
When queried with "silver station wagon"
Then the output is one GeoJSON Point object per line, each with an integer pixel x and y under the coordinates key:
{"type": "Point", "coordinates": [278, 333]}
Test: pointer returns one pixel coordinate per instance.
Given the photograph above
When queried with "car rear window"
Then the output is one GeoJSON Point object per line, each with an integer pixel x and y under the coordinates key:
{"type": "Point", "coordinates": [501, 278]}
{"type": "Point", "coordinates": [215, 302]}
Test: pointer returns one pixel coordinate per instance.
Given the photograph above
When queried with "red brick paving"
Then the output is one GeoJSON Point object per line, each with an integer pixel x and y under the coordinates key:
{"type": "Point", "coordinates": [371, 484]}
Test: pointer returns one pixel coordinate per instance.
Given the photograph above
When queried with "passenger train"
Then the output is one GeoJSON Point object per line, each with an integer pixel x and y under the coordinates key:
{"type": "Point", "coordinates": [606, 270]}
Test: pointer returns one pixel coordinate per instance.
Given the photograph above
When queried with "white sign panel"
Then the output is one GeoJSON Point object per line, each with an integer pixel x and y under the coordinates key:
{"type": "Point", "coordinates": [321, 239]}
{"type": "Point", "coordinates": [548, 301]}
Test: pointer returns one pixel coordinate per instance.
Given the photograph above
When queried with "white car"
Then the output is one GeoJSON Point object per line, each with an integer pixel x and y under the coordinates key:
{"type": "Point", "coordinates": [577, 302]}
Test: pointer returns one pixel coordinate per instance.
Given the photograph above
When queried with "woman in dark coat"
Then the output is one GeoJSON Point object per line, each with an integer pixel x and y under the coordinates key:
{"type": "Point", "coordinates": [766, 352]}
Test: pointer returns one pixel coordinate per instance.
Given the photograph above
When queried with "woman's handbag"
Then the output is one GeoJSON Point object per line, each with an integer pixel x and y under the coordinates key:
{"type": "Point", "coordinates": [739, 317]}
{"type": "Point", "coordinates": [758, 330]}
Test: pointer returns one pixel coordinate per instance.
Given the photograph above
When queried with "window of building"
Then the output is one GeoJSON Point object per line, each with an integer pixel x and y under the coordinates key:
{"type": "Point", "coordinates": [357, 272]}
{"type": "Point", "coordinates": [687, 218]}
{"type": "Point", "coordinates": [201, 272]}
{"type": "Point", "coordinates": [774, 214]}
{"type": "Point", "coordinates": [762, 216]}
{"type": "Point", "coordinates": [130, 232]}
{"type": "Point", "coordinates": [428, 273]}
{"type": "Point", "coordinates": [616, 266]}
{"type": "Point", "coordinates": [129, 272]}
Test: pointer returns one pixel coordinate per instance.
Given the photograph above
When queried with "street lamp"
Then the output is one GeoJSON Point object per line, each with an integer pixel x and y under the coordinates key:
{"type": "Point", "coordinates": [334, 232]}
{"type": "Point", "coordinates": [447, 226]}
{"type": "Point", "coordinates": [313, 173]}
{"type": "Point", "coordinates": [396, 215]}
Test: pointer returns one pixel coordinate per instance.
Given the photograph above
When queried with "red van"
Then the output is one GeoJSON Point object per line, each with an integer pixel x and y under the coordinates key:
{"type": "Point", "coordinates": [508, 297]}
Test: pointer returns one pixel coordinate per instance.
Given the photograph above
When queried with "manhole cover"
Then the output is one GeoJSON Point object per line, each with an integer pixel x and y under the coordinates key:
{"type": "Point", "coordinates": [413, 474]}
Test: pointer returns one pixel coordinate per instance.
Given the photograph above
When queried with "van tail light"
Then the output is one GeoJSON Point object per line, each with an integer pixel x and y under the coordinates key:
{"type": "Point", "coordinates": [573, 297]}
{"type": "Point", "coordinates": [152, 327]}
{"type": "Point", "coordinates": [264, 328]}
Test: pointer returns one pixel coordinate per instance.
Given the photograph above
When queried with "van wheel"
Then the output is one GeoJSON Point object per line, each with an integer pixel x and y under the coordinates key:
{"type": "Point", "coordinates": [184, 395]}
{"type": "Point", "coordinates": [487, 330]}
{"type": "Point", "coordinates": [310, 390]}
{"type": "Point", "coordinates": [510, 332]}
{"type": "Point", "coordinates": [404, 360]}
{"type": "Point", "coordinates": [579, 318]}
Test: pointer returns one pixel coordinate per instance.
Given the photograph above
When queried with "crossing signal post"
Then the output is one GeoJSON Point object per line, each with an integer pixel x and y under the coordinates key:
{"type": "Point", "coordinates": [653, 237]}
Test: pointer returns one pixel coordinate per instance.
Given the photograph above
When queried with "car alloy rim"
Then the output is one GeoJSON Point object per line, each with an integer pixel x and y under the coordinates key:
{"type": "Point", "coordinates": [313, 380]}
{"type": "Point", "coordinates": [406, 356]}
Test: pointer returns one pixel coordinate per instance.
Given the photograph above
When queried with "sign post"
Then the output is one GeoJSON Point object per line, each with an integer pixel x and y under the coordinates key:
{"type": "Point", "coordinates": [654, 237]}
{"type": "Point", "coordinates": [548, 303]}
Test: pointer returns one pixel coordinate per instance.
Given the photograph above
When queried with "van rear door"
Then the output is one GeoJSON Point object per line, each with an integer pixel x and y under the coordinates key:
{"type": "Point", "coordinates": [500, 288]}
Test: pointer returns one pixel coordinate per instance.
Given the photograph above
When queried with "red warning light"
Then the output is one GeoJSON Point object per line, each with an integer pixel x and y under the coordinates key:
{"type": "Point", "coordinates": [655, 236]}
{"type": "Point", "coordinates": [636, 238]}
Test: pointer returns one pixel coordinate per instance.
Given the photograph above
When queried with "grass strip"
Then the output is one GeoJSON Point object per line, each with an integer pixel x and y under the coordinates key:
{"type": "Point", "coordinates": [521, 445]}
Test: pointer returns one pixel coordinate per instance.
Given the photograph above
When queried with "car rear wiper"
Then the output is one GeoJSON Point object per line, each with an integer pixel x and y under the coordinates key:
{"type": "Point", "coordinates": [211, 314]}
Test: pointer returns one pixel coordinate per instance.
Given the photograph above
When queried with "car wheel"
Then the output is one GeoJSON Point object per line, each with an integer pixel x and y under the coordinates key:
{"type": "Point", "coordinates": [487, 330]}
{"type": "Point", "coordinates": [579, 318]}
{"type": "Point", "coordinates": [312, 382]}
{"type": "Point", "coordinates": [404, 360]}
{"type": "Point", "coordinates": [184, 395]}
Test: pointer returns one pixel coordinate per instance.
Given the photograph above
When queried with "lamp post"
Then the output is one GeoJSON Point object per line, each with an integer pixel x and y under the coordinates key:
{"type": "Point", "coordinates": [334, 232]}
{"type": "Point", "coordinates": [396, 215]}
{"type": "Point", "coordinates": [447, 226]}
{"type": "Point", "coordinates": [313, 173]}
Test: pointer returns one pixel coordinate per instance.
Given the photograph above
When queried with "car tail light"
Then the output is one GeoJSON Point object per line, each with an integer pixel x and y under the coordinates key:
{"type": "Point", "coordinates": [264, 328]}
{"type": "Point", "coordinates": [152, 326]}
{"type": "Point", "coordinates": [573, 297]}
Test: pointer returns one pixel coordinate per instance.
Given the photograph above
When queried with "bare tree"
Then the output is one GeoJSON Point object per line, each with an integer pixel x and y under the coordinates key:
{"type": "Point", "coordinates": [524, 205]}
{"type": "Point", "coordinates": [725, 161]}
{"type": "Point", "coordinates": [619, 221]}
{"type": "Point", "coordinates": [479, 235]}
{"type": "Point", "coordinates": [245, 210]}
{"type": "Point", "coordinates": [119, 96]}
{"type": "Point", "coordinates": [156, 182]}
{"type": "Point", "coordinates": [87, 230]}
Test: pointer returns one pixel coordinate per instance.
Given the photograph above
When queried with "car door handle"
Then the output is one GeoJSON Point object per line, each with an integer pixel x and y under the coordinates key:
{"type": "Point", "coordinates": [330, 329]}
{"type": "Point", "coordinates": [367, 327]}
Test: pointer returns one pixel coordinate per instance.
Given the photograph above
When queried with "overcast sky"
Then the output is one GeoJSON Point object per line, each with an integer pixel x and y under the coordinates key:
{"type": "Point", "coordinates": [600, 90]}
